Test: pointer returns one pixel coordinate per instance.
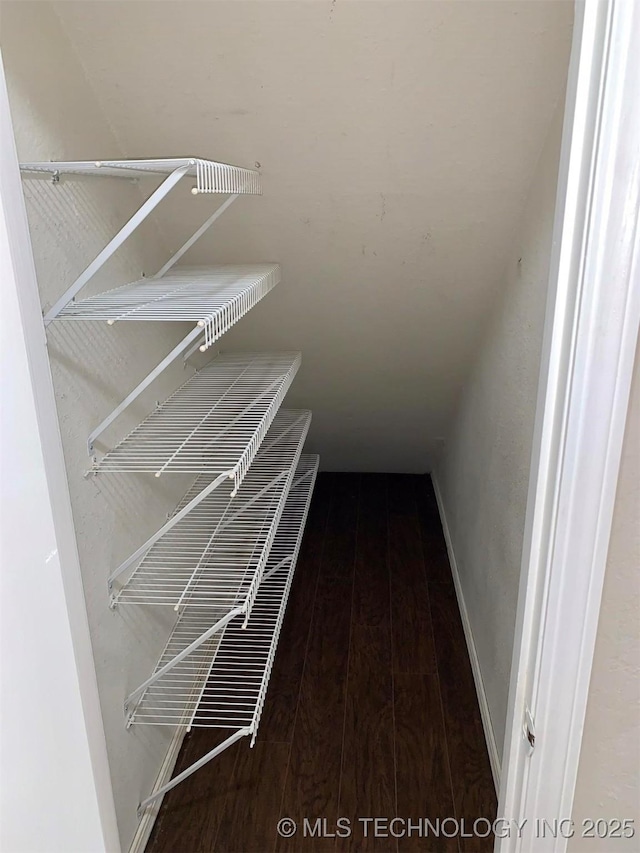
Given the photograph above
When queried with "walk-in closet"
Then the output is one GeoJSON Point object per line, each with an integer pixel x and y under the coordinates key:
{"type": "Point", "coordinates": [292, 262]}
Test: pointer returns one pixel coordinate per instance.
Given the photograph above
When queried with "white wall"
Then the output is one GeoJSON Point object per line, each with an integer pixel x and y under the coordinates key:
{"type": "Point", "coordinates": [608, 775]}
{"type": "Point", "coordinates": [56, 116]}
{"type": "Point", "coordinates": [483, 472]}
{"type": "Point", "coordinates": [50, 717]}
{"type": "Point", "coordinates": [397, 142]}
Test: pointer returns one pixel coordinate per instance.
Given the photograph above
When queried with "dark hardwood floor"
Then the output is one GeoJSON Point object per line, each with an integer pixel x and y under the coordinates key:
{"type": "Point", "coordinates": [371, 710]}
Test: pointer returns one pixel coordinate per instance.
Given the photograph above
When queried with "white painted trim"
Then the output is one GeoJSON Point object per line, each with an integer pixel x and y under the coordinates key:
{"type": "Point", "coordinates": [150, 815]}
{"type": "Point", "coordinates": [485, 714]}
{"type": "Point", "coordinates": [591, 331]}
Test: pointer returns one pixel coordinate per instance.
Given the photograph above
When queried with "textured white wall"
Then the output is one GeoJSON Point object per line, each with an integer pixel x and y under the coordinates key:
{"type": "Point", "coordinates": [56, 117]}
{"type": "Point", "coordinates": [44, 636]}
{"type": "Point", "coordinates": [397, 143]}
{"type": "Point", "coordinates": [609, 771]}
{"type": "Point", "coordinates": [483, 472]}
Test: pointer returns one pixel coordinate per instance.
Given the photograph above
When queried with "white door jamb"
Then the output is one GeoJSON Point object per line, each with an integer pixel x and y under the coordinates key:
{"type": "Point", "coordinates": [591, 332]}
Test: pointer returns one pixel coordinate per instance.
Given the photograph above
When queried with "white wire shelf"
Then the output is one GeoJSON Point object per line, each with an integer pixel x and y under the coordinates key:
{"type": "Point", "coordinates": [214, 423]}
{"type": "Point", "coordinates": [213, 297]}
{"type": "Point", "coordinates": [224, 682]}
{"type": "Point", "coordinates": [215, 556]}
{"type": "Point", "coordinates": [211, 177]}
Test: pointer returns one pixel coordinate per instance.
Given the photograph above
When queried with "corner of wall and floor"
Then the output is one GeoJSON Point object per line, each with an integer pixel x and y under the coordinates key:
{"type": "Point", "coordinates": [485, 714]}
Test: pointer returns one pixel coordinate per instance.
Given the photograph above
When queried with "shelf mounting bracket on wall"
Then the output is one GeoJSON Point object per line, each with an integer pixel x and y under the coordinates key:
{"type": "Point", "coordinates": [142, 550]}
{"type": "Point", "coordinates": [192, 769]}
{"type": "Point", "coordinates": [214, 319]}
{"type": "Point", "coordinates": [211, 177]}
{"type": "Point", "coordinates": [222, 668]}
{"type": "Point", "coordinates": [200, 496]}
{"type": "Point", "coordinates": [114, 244]}
{"type": "Point", "coordinates": [135, 695]}
{"type": "Point", "coordinates": [196, 236]}
{"type": "Point", "coordinates": [194, 337]}
{"type": "Point", "coordinates": [223, 524]}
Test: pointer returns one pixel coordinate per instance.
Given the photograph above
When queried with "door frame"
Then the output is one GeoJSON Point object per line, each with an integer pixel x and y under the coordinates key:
{"type": "Point", "coordinates": [590, 337]}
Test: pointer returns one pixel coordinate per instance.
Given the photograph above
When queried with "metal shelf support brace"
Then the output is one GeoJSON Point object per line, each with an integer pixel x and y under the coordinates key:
{"type": "Point", "coordinates": [192, 340]}
{"type": "Point", "coordinates": [139, 216]}
{"type": "Point", "coordinates": [166, 527]}
{"type": "Point", "coordinates": [196, 236]}
{"type": "Point", "coordinates": [198, 764]}
{"type": "Point", "coordinates": [194, 335]}
{"type": "Point", "coordinates": [133, 697]}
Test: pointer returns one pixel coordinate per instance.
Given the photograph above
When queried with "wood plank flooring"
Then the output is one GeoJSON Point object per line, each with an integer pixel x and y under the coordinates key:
{"type": "Point", "coordinates": [371, 710]}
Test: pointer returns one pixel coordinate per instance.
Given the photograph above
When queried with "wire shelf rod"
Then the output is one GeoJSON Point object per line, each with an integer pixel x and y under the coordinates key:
{"type": "Point", "coordinates": [166, 528]}
{"type": "Point", "coordinates": [214, 297]}
{"type": "Point", "coordinates": [160, 792]}
{"type": "Point", "coordinates": [233, 691]}
{"type": "Point", "coordinates": [173, 260]}
{"type": "Point", "coordinates": [114, 244]}
{"type": "Point", "coordinates": [219, 403]}
{"type": "Point", "coordinates": [214, 556]}
{"type": "Point", "coordinates": [222, 525]}
{"type": "Point", "coordinates": [279, 565]}
{"type": "Point", "coordinates": [211, 176]}
{"type": "Point", "coordinates": [190, 649]}
{"type": "Point", "coordinates": [228, 427]}
{"type": "Point", "coordinates": [233, 457]}
{"type": "Point", "coordinates": [240, 658]}
{"type": "Point", "coordinates": [194, 335]}
{"type": "Point", "coordinates": [243, 389]}
{"type": "Point", "coordinates": [224, 295]}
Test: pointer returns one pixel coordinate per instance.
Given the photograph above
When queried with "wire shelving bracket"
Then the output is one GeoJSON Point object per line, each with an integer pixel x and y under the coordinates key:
{"type": "Point", "coordinates": [211, 177]}
{"type": "Point", "coordinates": [215, 556]}
{"type": "Point", "coordinates": [213, 423]}
{"type": "Point", "coordinates": [189, 294]}
{"type": "Point", "coordinates": [221, 587]}
{"type": "Point", "coordinates": [224, 684]}
{"type": "Point", "coordinates": [212, 426]}
{"type": "Point", "coordinates": [215, 298]}
{"type": "Point", "coordinates": [224, 563]}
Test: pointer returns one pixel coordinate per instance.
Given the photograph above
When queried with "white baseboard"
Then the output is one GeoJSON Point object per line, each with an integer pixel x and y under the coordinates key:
{"type": "Point", "coordinates": [145, 826]}
{"type": "Point", "coordinates": [471, 646]}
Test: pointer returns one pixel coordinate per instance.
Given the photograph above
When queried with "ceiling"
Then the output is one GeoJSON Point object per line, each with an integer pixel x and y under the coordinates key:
{"type": "Point", "coordinates": [397, 142]}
